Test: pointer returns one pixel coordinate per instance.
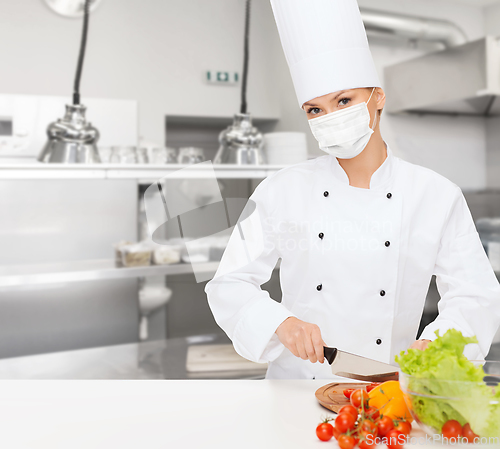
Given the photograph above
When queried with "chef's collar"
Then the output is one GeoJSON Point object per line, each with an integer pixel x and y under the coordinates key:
{"type": "Point", "coordinates": [379, 177]}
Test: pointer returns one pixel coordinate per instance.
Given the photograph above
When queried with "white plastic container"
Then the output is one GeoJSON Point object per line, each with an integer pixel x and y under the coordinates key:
{"type": "Point", "coordinates": [166, 254]}
{"type": "Point", "coordinates": [136, 255]}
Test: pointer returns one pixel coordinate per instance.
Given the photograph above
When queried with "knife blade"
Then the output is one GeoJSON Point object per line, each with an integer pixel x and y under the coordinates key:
{"type": "Point", "coordinates": [356, 367]}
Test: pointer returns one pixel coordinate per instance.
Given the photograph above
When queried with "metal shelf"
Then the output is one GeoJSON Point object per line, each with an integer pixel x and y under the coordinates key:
{"type": "Point", "coordinates": [12, 276]}
{"type": "Point", "coordinates": [144, 172]}
{"type": "Point", "coordinates": [88, 270]}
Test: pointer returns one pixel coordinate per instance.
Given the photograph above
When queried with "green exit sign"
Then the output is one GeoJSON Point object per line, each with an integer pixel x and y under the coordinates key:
{"type": "Point", "coordinates": [219, 77]}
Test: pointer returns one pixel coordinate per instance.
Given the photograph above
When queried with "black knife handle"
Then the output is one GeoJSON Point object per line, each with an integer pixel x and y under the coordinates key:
{"type": "Point", "coordinates": [330, 354]}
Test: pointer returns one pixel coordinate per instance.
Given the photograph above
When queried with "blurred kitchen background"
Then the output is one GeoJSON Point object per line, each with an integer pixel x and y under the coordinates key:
{"type": "Point", "coordinates": [84, 293]}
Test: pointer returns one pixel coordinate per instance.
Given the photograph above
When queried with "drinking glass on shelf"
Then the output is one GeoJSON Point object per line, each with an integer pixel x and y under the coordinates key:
{"type": "Point", "coordinates": [142, 155]}
{"type": "Point", "coordinates": [190, 155]}
{"type": "Point", "coordinates": [171, 155]}
{"type": "Point", "coordinates": [115, 155]}
{"type": "Point", "coordinates": [124, 155]}
{"type": "Point", "coordinates": [105, 154]}
{"type": "Point", "coordinates": [163, 155]}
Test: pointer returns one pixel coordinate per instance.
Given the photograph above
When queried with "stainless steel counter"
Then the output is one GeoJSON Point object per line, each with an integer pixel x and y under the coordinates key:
{"type": "Point", "coordinates": [162, 359]}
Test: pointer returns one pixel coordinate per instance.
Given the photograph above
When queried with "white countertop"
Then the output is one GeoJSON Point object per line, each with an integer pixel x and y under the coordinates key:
{"type": "Point", "coordinates": [163, 414]}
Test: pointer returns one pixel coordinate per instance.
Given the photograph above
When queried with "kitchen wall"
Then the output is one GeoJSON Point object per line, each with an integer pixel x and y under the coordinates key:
{"type": "Point", "coordinates": [492, 19]}
{"type": "Point", "coordinates": [492, 26]}
{"type": "Point", "coordinates": [154, 51]}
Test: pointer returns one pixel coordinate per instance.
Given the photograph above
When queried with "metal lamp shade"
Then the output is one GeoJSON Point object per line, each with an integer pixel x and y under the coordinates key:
{"type": "Point", "coordinates": [241, 143]}
{"type": "Point", "coordinates": [71, 139]}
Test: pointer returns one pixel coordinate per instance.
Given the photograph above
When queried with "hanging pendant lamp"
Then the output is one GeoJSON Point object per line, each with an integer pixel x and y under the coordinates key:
{"type": "Point", "coordinates": [72, 139]}
{"type": "Point", "coordinates": [241, 143]}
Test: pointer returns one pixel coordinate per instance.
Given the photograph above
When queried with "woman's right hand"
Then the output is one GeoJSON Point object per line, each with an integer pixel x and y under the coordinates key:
{"type": "Point", "coordinates": [302, 339]}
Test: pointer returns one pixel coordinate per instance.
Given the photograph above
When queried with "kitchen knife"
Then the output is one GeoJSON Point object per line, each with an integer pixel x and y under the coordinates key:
{"type": "Point", "coordinates": [354, 366]}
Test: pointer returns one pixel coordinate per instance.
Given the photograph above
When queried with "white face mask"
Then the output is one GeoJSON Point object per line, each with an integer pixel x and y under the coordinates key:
{"type": "Point", "coordinates": [345, 133]}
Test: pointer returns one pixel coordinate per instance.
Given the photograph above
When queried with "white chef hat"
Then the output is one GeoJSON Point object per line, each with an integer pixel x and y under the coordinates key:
{"type": "Point", "coordinates": [325, 46]}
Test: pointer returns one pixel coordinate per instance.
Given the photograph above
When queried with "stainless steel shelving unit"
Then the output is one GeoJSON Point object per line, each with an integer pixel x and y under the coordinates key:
{"type": "Point", "coordinates": [88, 270]}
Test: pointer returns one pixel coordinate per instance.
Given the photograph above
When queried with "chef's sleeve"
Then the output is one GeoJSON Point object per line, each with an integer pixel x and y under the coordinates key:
{"type": "Point", "coordinates": [467, 284]}
{"type": "Point", "coordinates": [246, 313]}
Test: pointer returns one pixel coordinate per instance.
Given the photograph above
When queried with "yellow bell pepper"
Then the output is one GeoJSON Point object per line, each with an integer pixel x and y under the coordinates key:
{"type": "Point", "coordinates": [389, 399]}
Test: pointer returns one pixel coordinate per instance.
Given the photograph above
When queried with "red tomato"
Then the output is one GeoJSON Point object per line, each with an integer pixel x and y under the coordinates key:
{"type": "Point", "coordinates": [395, 439]}
{"type": "Point", "coordinates": [370, 427]}
{"type": "Point", "coordinates": [468, 434]}
{"type": "Point", "coordinates": [372, 412]}
{"type": "Point", "coordinates": [384, 424]}
{"type": "Point", "coordinates": [367, 440]}
{"type": "Point", "coordinates": [347, 392]}
{"type": "Point", "coordinates": [345, 422]}
{"type": "Point", "coordinates": [336, 433]}
{"type": "Point", "coordinates": [402, 426]}
{"type": "Point", "coordinates": [325, 431]}
{"type": "Point", "coordinates": [346, 442]}
{"type": "Point", "coordinates": [452, 429]}
{"type": "Point", "coordinates": [349, 409]}
{"type": "Point", "coordinates": [372, 386]}
{"type": "Point", "coordinates": [359, 396]}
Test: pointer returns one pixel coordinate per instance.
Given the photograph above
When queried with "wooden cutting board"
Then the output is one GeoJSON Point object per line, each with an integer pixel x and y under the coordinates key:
{"type": "Point", "coordinates": [219, 357]}
{"type": "Point", "coordinates": [331, 396]}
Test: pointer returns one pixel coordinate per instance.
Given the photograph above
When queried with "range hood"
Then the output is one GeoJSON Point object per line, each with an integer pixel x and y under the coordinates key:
{"type": "Point", "coordinates": [459, 80]}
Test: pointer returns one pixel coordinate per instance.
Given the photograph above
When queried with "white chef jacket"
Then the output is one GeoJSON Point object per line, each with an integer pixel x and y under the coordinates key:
{"type": "Point", "coordinates": [357, 262]}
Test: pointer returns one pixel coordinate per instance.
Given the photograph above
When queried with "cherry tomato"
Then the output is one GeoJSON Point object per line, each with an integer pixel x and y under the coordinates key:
{"type": "Point", "coordinates": [347, 392]}
{"type": "Point", "coordinates": [372, 386]}
{"type": "Point", "coordinates": [346, 441]}
{"type": "Point", "coordinates": [402, 426]}
{"type": "Point", "coordinates": [468, 434]}
{"type": "Point", "coordinates": [336, 433]}
{"type": "Point", "coordinates": [452, 429]}
{"type": "Point", "coordinates": [395, 439]}
{"type": "Point", "coordinates": [384, 424]}
{"type": "Point", "coordinates": [349, 409]}
{"type": "Point", "coordinates": [372, 412]}
{"type": "Point", "coordinates": [345, 422]}
{"type": "Point", "coordinates": [369, 426]}
{"type": "Point", "coordinates": [359, 396]}
{"type": "Point", "coordinates": [325, 431]}
{"type": "Point", "coordinates": [367, 440]}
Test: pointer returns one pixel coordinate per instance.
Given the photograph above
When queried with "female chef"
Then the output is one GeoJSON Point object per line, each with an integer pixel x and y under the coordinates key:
{"type": "Point", "coordinates": [359, 231]}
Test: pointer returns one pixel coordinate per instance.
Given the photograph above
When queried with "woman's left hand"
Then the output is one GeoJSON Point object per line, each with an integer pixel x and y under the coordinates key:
{"type": "Point", "coordinates": [420, 344]}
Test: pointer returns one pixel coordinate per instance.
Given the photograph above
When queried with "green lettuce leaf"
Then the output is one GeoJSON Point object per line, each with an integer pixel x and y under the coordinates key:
{"type": "Point", "coordinates": [446, 385]}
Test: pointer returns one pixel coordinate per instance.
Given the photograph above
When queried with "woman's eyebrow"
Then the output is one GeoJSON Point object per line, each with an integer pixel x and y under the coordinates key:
{"type": "Point", "coordinates": [340, 93]}
{"type": "Point", "coordinates": [334, 98]}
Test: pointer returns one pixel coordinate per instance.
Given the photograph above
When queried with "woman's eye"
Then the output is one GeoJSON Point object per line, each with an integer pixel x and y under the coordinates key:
{"type": "Point", "coordinates": [345, 100]}
{"type": "Point", "coordinates": [313, 110]}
